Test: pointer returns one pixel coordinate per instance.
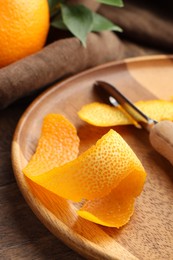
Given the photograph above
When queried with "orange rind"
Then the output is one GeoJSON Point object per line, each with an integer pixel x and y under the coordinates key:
{"type": "Point", "coordinates": [103, 115]}
{"type": "Point", "coordinates": [58, 144]}
{"type": "Point", "coordinates": [100, 114]}
{"type": "Point", "coordinates": [114, 210]}
{"type": "Point", "coordinates": [157, 109]}
{"type": "Point", "coordinates": [95, 172]}
{"type": "Point", "coordinates": [109, 176]}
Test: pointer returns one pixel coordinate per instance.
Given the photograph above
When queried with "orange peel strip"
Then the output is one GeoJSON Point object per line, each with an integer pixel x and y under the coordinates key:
{"type": "Point", "coordinates": [100, 114]}
{"type": "Point", "coordinates": [95, 172]}
{"type": "Point", "coordinates": [115, 209]}
{"type": "Point", "coordinates": [57, 145]}
{"type": "Point", "coordinates": [109, 170]}
{"type": "Point", "coordinates": [157, 109]}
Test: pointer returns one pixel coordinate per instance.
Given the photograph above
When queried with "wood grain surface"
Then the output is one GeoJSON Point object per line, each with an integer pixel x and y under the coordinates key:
{"type": "Point", "coordinates": [18, 240]}
{"type": "Point", "coordinates": [149, 234]}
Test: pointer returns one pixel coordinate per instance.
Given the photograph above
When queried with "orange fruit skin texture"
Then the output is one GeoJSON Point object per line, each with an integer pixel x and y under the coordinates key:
{"type": "Point", "coordinates": [58, 144]}
{"type": "Point", "coordinates": [109, 175]}
{"type": "Point", "coordinates": [100, 114]}
{"type": "Point", "coordinates": [116, 208]}
{"type": "Point", "coordinates": [95, 172]}
{"type": "Point", "coordinates": [157, 109]}
{"type": "Point", "coordinates": [103, 115]}
{"type": "Point", "coordinates": [24, 27]}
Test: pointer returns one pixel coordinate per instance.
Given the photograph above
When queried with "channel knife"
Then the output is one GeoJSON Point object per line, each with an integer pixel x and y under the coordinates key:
{"type": "Point", "coordinates": [160, 133]}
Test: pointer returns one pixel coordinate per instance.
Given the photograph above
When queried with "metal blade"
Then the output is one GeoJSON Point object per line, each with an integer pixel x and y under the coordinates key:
{"type": "Point", "coordinates": [116, 98]}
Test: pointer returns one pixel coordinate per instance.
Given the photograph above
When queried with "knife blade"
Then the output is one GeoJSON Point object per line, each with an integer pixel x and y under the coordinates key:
{"type": "Point", "coordinates": [160, 133]}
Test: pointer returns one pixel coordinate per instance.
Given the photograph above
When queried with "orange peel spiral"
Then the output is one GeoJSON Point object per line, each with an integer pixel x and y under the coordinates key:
{"type": "Point", "coordinates": [108, 175]}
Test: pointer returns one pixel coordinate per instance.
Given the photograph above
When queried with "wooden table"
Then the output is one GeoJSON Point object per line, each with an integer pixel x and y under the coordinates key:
{"type": "Point", "coordinates": [22, 236]}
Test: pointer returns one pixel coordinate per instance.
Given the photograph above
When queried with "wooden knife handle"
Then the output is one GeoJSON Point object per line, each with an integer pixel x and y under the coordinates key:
{"type": "Point", "coordinates": [161, 138]}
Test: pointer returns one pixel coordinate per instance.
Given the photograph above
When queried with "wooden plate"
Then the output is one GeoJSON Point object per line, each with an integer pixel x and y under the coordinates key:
{"type": "Point", "coordinates": [149, 234]}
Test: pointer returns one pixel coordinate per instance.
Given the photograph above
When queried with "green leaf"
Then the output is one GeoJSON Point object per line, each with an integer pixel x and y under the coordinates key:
{"type": "Point", "coordinates": [100, 23]}
{"type": "Point", "coordinates": [78, 19]}
{"type": "Point", "coordinates": [57, 22]}
{"type": "Point", "coordinates": [118, 3]}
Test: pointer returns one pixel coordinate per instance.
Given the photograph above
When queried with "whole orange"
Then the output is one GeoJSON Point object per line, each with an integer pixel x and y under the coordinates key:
{"type": "Point", "coordinates": [24, 27]}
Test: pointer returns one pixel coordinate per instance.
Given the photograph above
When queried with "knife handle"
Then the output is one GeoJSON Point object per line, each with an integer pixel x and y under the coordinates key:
{"type": "Point", "coordinates": [161, 138]}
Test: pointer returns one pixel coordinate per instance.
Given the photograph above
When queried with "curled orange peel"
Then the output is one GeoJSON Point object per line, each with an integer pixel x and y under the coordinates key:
{"type": "Point", "coordinates": [114, 210]}
{"type": "Point", "coordinates": [58, 144]}
{"type": "Point", "coordinates": [108, 175]}
{"type": "Point", "coordinates": [100, 114]}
